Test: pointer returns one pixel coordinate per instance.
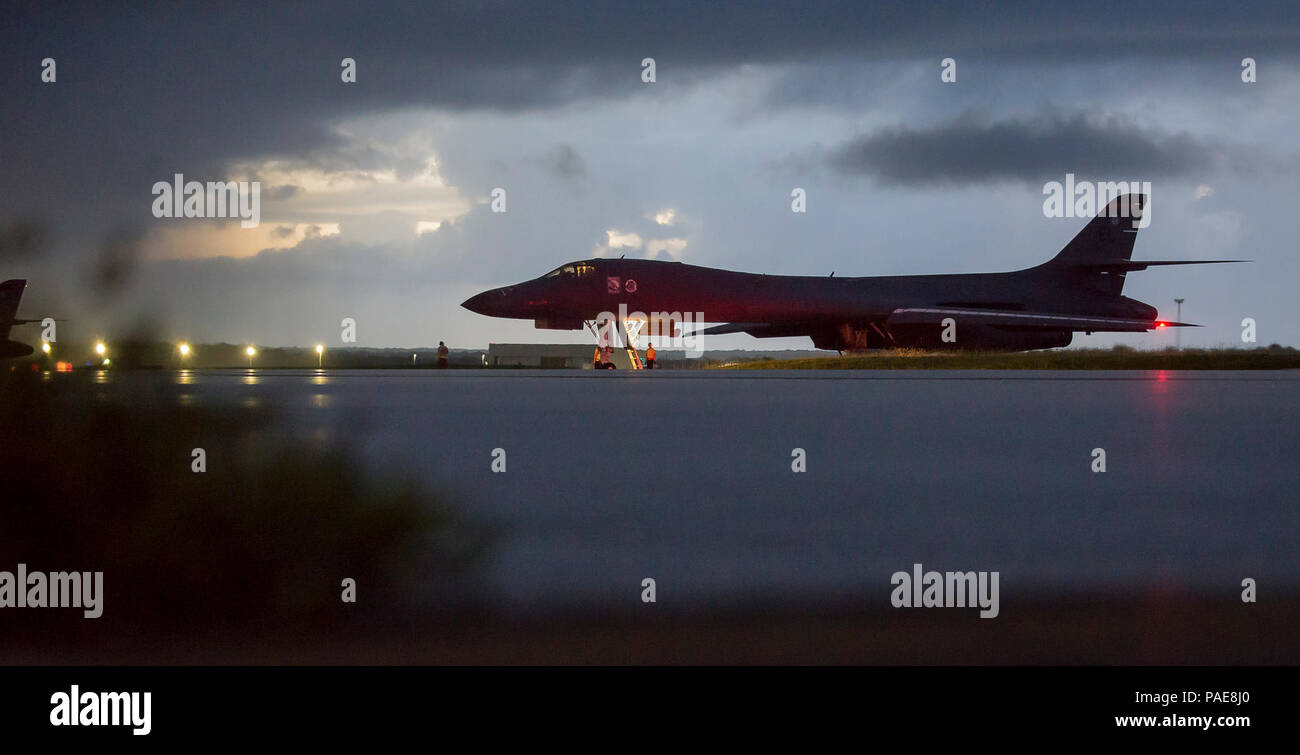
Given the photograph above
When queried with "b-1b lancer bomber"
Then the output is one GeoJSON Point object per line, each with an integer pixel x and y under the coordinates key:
{"type": "Point", "coordinates": [1080, 289]}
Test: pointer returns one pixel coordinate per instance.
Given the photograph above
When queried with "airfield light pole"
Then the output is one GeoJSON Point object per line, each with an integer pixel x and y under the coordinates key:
{"type": "Point", "coordinates": [250, 351]}
{"type": "Point", "coordinates": [320, 355]}
{"type": "Point", "coordinates": [1178, 334]}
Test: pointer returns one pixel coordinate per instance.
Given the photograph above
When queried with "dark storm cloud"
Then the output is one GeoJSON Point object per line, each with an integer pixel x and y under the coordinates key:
{"type": "Point", "coordinates": [564, 162]}
{"type": "Point", "coordinates": [511, 55]}
{"type": "Point", "coordinates": [148, 89]}
{"type": "Point", "coordinates": [1031, 149]}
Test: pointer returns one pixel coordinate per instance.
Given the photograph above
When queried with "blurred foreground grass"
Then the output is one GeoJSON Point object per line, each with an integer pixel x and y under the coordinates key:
{"type": "Point", "coordinates": [257, 544]}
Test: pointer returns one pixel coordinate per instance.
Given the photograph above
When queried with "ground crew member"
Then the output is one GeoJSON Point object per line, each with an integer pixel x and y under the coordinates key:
{"type": "Point", "coordinates": [595, 360]}
{"type": "Point", "coordinates": [650, 357]}
{"type": "Point", "coordinates": [442, 355]}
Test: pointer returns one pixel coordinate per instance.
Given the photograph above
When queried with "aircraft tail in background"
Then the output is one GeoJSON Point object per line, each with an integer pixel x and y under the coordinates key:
{"type": "Point", "coordinates": [11, 294]}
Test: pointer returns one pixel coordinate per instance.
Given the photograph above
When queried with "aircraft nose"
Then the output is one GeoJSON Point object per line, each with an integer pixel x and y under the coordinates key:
{"type": "Point", "coordinates": [475, 303]}
{"type": "Point", "coordinates": [488, 303]}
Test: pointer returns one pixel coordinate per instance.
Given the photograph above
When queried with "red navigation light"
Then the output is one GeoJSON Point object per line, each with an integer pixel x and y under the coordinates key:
{"type": "Point", "coordinates": [1161, 324]}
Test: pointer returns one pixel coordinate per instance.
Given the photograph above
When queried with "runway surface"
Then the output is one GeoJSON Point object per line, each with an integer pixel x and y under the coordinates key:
{"type": "Point", "coordinates": [686, 476]}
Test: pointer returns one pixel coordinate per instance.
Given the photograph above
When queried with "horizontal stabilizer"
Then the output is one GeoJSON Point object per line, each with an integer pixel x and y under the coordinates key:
{"type": "Point", "coordinates": [1130, 265]}
{"type": "Point", "coordinates": [1019, 320]}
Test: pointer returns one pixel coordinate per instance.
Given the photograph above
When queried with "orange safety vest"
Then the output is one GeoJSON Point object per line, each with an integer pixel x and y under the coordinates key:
{"type": "Point", "coordinates": [596, 360]}
{"type": "Point", "coordinates": [650, 353]}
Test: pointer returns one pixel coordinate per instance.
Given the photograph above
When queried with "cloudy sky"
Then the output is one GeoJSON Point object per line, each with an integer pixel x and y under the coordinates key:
{"type": "Point", "coordinates": [375, 200]}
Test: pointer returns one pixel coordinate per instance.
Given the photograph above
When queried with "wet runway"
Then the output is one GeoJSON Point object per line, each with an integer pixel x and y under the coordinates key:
{"type": "Point", "coordinates": [687, 476]}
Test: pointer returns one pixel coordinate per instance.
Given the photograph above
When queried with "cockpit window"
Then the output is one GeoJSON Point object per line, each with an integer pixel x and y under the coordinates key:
{"type": "Point", "coordinates": [579, 269]}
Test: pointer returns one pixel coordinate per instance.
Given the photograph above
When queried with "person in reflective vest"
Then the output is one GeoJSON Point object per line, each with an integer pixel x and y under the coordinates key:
{"type": "Point", "coordinates": [650, 357]}
{"type": "Point", "coordinates": [595, 361]}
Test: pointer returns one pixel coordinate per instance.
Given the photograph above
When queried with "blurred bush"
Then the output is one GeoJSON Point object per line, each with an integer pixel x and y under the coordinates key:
{"type": "Point", "coordinates": [259, 543]}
